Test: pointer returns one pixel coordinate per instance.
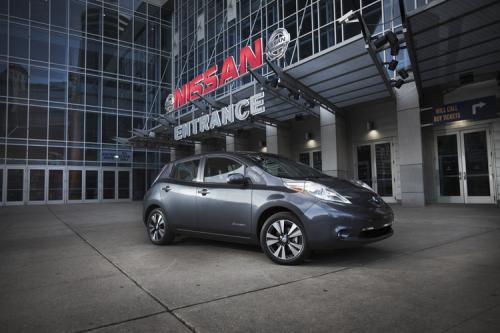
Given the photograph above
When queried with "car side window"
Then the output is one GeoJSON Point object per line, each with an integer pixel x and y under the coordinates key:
{"type": "Point", "coordinates": [185, 171]}
{"type": "Point", "coordinates": [218, 168]}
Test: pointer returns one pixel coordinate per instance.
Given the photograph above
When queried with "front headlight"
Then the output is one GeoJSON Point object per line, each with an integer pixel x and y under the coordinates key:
{"type": "Point", "coordinates": [319, 191]}
{"type": "Point", "coordinates": [358, 182]}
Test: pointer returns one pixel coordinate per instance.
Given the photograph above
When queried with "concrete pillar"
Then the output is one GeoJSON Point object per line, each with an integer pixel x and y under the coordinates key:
{"type": "Point", "coordinates": [328, 142]}
{"type": "Point", "coordinates": [230, 143]}
{"type": "Point", "coordinates": [172, 154]}
{"type": "Point", "coordinates": [197, 148]}
{"type": "Point", "coordinates": [410, 146]}
{"type": "Point", "coordinates": [278, 141]}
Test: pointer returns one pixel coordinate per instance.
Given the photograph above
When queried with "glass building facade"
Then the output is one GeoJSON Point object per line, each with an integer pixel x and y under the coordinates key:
{"type": "Point", "coordinates": [74, 75]}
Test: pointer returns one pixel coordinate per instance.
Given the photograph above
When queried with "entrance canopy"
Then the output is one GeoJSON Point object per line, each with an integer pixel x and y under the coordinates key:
{"type": "Point", "coordinates": [450, 41]}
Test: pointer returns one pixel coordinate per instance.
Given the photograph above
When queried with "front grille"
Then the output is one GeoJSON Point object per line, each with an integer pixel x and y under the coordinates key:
{"type": "Point", "coordinates": [374, 233]}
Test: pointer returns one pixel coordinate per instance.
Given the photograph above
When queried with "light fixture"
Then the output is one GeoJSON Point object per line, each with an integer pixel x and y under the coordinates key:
{"type": "Point", "coordinates": [391, 38]}
{"type": "Point", "coordinates": [116, 156]}
{"type": "Point", "coordinates": [309, 136]}
{"type": "Point", "coordinates": [403, 73]}
{"type": "Point", "coordinates": [399, 83]}
{"type": "Point", "coordinates": [370, 125]}
{"type": "Point", "coordinates": [392, 64]}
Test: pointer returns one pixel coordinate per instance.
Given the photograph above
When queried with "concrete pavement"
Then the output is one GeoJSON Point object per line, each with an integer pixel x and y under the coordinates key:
{"type": "Point", "coordinates": [90, 267]}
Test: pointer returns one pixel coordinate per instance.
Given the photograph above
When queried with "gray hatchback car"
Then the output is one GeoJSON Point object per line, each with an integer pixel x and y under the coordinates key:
{"type": "Point", "coordinates": [286, 207]}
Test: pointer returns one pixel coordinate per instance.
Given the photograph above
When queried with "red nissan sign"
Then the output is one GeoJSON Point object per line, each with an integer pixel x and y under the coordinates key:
{"type": "Point", "coordinates": [213, 78]}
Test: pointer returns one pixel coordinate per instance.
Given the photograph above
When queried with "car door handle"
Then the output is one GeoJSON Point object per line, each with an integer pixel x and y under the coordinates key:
{"type": "Point", "coordinates": [203, 191]}
{"type": "Point", "coordinates": [166, 188]}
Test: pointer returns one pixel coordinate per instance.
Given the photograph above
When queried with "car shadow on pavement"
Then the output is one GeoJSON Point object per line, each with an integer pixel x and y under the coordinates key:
{"type": "Point", "coordinates": [345, 256]}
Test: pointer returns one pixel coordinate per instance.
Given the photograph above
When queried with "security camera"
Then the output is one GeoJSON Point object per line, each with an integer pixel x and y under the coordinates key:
{"type": "Point", "coordinates": [346, 18]}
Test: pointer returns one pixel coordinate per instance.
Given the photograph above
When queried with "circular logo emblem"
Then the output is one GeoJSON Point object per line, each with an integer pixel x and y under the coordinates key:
{"type": "Point", "coordinates": [169, 103]}
{"type": "Point", "coordinates": [277, 44]}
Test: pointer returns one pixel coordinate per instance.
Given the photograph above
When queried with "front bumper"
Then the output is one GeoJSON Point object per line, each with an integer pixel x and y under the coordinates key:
{"type": "Point", "coordinates": [330, 227]}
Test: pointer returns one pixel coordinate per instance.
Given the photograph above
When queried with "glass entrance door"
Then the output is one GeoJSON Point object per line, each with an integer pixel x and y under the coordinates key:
{"type": "Point", "coordinates": [55, 186]}
{"type": "Point", "coordinates": [374, 167]}
{"type": "Point", "coordinates": [108, 185]}
{"type": "Point", "coordinates": [15, 186]}
{"type": "Point", "coordinates": [36, 193]}
{"type": "Point", "coordinates": [75, 185]}
{"type": "Point", "coordinates": [464, 167]}
{"type": "Point", "coordinates": [91, 185]}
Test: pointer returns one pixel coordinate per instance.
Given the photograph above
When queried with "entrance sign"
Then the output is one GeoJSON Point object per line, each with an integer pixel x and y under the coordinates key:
{"type": "Point", "coordinates": [212, 78]}
{"type": "Point", "coordinates": [277, 44]}
{"type": "Point", "coordinates": [479, 108]}
{"type": "Point", "coordinates": [234, 112]}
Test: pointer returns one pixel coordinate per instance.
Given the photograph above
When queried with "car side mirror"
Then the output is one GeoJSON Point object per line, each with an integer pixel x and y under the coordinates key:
{"type": "Point", "coordinates": [236, 179]}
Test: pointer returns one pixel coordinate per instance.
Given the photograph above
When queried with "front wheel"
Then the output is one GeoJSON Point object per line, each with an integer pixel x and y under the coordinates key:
{"type": "Point", "coordinates": [283, 239]}
{"type": "Point", "coordinates": [159, 231]}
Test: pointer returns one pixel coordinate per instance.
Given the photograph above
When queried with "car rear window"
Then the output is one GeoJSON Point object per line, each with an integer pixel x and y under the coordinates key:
{"type": "Point", "coordinates": [185, 171]}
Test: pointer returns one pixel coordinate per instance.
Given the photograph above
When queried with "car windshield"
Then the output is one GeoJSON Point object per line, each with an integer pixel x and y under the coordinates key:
{"type": "Point", "coordinates": [284, 168]}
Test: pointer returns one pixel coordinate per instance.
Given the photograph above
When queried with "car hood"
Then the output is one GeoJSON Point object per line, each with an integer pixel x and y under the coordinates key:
{"type": "Point", "coordinates": [356, 194]}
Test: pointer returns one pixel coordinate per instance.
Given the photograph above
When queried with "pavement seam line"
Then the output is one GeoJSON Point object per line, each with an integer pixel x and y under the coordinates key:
{"type": "Point", "coordinates": [121, 322]}
{"type": "Point", "coordinates": [261, 289]}
{"type": "Point", "coordinates": [164, 306]}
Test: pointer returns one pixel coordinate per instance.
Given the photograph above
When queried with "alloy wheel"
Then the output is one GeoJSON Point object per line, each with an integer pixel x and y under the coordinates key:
{"type": "Point", "coordinates": [156, 226]}
{"type": "Point", "coordinates": [284, 239]}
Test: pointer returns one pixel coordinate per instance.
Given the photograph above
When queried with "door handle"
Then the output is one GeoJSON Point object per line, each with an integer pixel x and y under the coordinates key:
{"type": "Point", "coordinates": [166, 188]}
{"type": "Point", "coordinates": [203, 191]}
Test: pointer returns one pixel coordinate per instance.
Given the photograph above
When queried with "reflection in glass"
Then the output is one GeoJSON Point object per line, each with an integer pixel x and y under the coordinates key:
{"type": "Point", "coordinates": [139, 31]}
{"type": "Point", "coordinates": [38, 123]}
{"type": "Point", "coordinates": [74, 185]}
{"type": "Point", "coordinates": [92, 126]}
{"type": "Point", "coordinates": [108, 128]}
{"type": "Point", "coordinates": [57, 124]}
{"type": "Point", "coordinates": [58, 12]}
{"type": "Point", "coordinates": [76, 51]}
{"type": "Point", "coordinates": [77, 15]}
{"type": "Point", "coordinates": [76, 88]}
{"type": "Point", "coordinates": [125, 95]}
{"type": "Point", "coordinates": [94, 19]}
{"type": "Point", "coordinates": [37, 152]}
{"type": "Point", "coordinates": [37, 185]}
{"type": "Point", "coordinates": [123, 184]}
{"type": "Point", "coordinates": [91, 177]}
{"type": "Point", "coordinates": [108, 184]}
{"type": "Point", "coordinates": [55, 185]}
{"type": "Point", "coordinates": [56, 153]}
{"type": "Point", "coordinates": [15, 181]}
{"type": "Point", "coordinates": [124, 126]}
{"type": "Point", "coordinates": [383, 162]}
{"type": "Point", "coordinates": [449, 178]}
{"type": "Point", "coordinates": [476, 164]}
{"type": "Point", "coordinates": [39, 44]}
{"type": "Point", "coordinates": [109, 93]}
{"type": "Point", "coordinates": [39, 83]}
{"type": "Point", "coordinates": [18, 80]}
{"type": "Point", "coordinates": [109, 61]}
{"type": "Point", "coordinates": [93, 92]}
{"type": "Point", "coordinates": [365, 164]}
{"type": "Point", "coordinates": [93, 54]}
{"type": "Point", "coordinates": [18, 41]}
{"type": "Point", "coordinates": [17, 121]}
{"type": "Point", "coordinates": [58, 85]}
{"type": "Point", "coordinates": [75, 125]}
{"type": "Point", "coordinates": [110, 23]}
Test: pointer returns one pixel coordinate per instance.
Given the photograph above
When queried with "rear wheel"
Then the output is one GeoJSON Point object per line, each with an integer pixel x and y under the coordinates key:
{"type": "Point", "coordinates": [159, 231]}
{"type": "Point", "coordinates": [283, 239]}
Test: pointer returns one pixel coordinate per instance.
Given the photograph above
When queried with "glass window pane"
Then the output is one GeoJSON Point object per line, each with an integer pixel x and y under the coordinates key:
{"type": "Point", "coordinates": [125, 29]}
{"type": "Point", "coordinates": [18, 121]}
{"type": "Point", "coordinates": [39, 83]}
{"type": "Point", "coordinates": [108, 128]}
{"type": "Point", "coordinates": [56, 124]}
{"type": "Point", "coordinates": [18, 80]}
{"type": "Point", "coordinates": [37, 152]}
{"type": "Point", "coordinates": [58, 85]}
{"type": "Point", "coordinates": [55, 184]}
{"type": "Point", "coordinates": [56, 153]}
{"type": "Point", "coordinates": [40, 10]}
{"type": "Point", "coordinates": [16, 151]}
{"type": "Point", "coordinates": [365, 164]}
{"type": "Point", "coordinates": [76, 88]}
{"type": "Point", "coordinates": [19, 8]}
{"type": "Point", "coordinates": [140, 64]}
{"type": "Point", "coordinates": [186, 171]}
{"type": "Point", "coordinates": [38, 123]}
{"type": "Point", "coordinates": [75, 154]}
{"type": "Point", "coordinates": [75, 125]}
{"type": "Point", "coordinates": [18, 41]}
{"type": "Point", "coordinates": [39, 44]}
{"type": "Point", "coordinates": [109, 60]}
{"type": "Point", "coordinates": [74, 185]}
{"type": "Point", "coordinates": [93, 54]}
{"type": "Point", "coordinates": [3, 121]}
{"type": "Point", "coordinates": [217, 170]}
{"type": "Point", "coordinates": [91, 154]}
{"type": "Point", "coordinates": [58, 44]}
{"type": "Point", "coordinates": [110, 23]}
{"type": "Point", "coordinates": [58, 12]}
{"type": "Point", "coordinates": [92, 126]}
{"type": "Point", "coordinates": [108, 184]}
{"type": "Point", "coordinates": [125, 95]}
{"type": "Point", "coordinates": [91, 183]}
{"type": "Point", "coordinates": [124, 126]}
{"type": "Point", "coordinates": [3, 37]}
{"type": "Point", "coordinates": [15, 184]}
{"type": "Point", "coordinates": [37, 185]}
{"type": "Point", "coordinates": [139, 98]}
{"type": "Point", "coordinates": [3, 78]}
{"type": "Point", "coordinates": [125, 61]}
{"type": "Point", "coordinates": [139, 31]}
{"type": "Point", "coordinates": [76, 51]}
{"type": "Point", "coordinates": [109, 93]}
{"type": "Point", "coordinates": [93, 93]}
{"type": "Point", "coordinates": [94, 19]}
{"type": "Point", "coordinates": [77, 16]}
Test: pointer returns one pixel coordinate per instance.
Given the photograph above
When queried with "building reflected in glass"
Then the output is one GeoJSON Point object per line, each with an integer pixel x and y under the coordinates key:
{"type": "Point", "coordinates": [74, 75]}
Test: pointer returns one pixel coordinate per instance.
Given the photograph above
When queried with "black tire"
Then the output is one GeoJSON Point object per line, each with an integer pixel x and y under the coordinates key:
{"type": "Point", "coordinates": [284, 250]}
{"type": "Point", "coordinates": [159, 232]}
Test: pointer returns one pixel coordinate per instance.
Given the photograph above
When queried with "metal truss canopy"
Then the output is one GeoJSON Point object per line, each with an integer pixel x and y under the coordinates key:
{"type": "Point", "coordinates": [452, 38]}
